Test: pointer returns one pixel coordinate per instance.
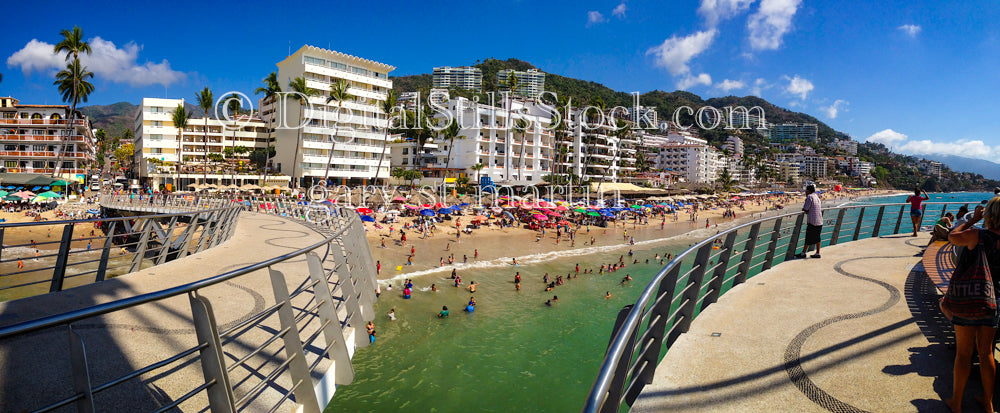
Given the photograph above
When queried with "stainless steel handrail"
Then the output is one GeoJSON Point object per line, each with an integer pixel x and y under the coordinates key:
{"type": "Point", "coordinates": [597, 399]}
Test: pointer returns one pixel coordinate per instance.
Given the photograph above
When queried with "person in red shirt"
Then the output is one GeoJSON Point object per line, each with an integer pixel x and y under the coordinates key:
{"type": "Point", "coordinates": [916, 212]}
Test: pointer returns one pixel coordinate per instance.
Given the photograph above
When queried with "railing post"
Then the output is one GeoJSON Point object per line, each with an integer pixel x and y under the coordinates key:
{"type": "Point", "coordinates": [336, 342]}
{"type": "Point", "coordinates": [693, 291]}
{"type": "Point", "coordinates": [771, 246]}
{"type": "Point", "coordinates": [793, 242]}
{"type": "Point", "coordinates": [102, 268]}
{"type": "Point", "coordinates": [188, 235]}
{"type": "Point", "coordinates": [59, 271]}
{"type": "Point", "coordinates": [617, 386]}
{"type": "Point", "coordinates": [835, 237]}
{"type": "Point", "coordinates": [81, 373]}
{"type": "Point", "coordinates": [944, 209]}
{"type": "Point", "coordinates": [213, 363]}
{"type": "Point", "coordinates": [350, 297]}
{"type": "Point", "coordinates": [165, 242]}
{"type": "Point", "coordinates": [748, 247]}
{"type": "Point", "coordinates": [857, 227]}
{"type": "Point", "coordinates": [878, 221]}
{"type": "Point", "coordinates": [140, 249]}
{"type": "Point", "coordinates": [715, 285]}
{"type": "Point", "coordinates": [298, 368]}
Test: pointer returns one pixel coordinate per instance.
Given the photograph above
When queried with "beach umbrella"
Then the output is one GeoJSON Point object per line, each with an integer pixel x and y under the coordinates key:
{"type": "Point", "coordinates": [425, 206]}
{"type": "Point", "coordinates": [60, 183]}
{"type": "Point", "coordinates": [555, 214]}
{"type": "Point", "coordinates": [24, 194]}
{"type": "Point", "coordinates": [399, 199]}
{"type": "Point", "coordinates": [464, 204]}
{"type": "Point", "coordinates": [428, 212]}
{"type": "Point", "coordinates": [438, 205]}
{"type": "Point", "coordinates": [12, 198]}
{"type": "Point", "coordinates": [367, 218]}
{"type": "Point", "coordinates": [594, 213]}
{"type": "Point", "coordinates": [580, 210]}
{"type": "Point", "coordinates": [526, 206]}
{"type": "Point", "coordinates": [3, 194]}
{"type": "Point", "coordinates": [50, 194]}
{"type": "Point", "coordinates": [635, 206]}
{"type": "Point", "coordinates": [408, 206]}
{"type": "Point", "coordinates": [496, 210]}
{"type": "Point", "coordinates": [364, 210]}
{"type": "Point", "coordinates": [10, 187]}
{"type": "Point", "coordinates": [479, 218]}
{"type": "Point", "coordinates": [564, 222]}
{"type": "Point", "coordinates": [561, 208]}
{"type": "Point", "coordinates": [540, 217]}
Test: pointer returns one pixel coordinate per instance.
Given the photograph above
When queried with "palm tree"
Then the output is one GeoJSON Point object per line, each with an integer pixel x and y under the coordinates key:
{"type": "Point", "coordinates": [73, 44]}
{"type": "Point", "coordinates": [478, 167]}
{"type": "Point", "coordinates": [338, 92]}
{"type": "Point", "coordinates": [74, 88]}
{"type": "Point", "coordinates": [235, 105]}
{"type": "Point", "coordinates": [387, 105]}
{"type": "Point", "coordinates": [180, 116]}
{"type": "Point", "coordinates": [302, 94]}
{"type": "Point", "coordinates": [450, 133]}
{"type": "Point", "coordinates": [512, 83]}
{"type": "Point", "coordinates": [205, 101]}
{"type": "Point", "coordinates": [270, 90]}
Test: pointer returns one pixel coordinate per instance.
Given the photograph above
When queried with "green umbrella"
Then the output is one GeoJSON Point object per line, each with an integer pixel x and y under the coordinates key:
{"type": "Point", "coordinates": [3, 194]}
{"type": "Point", "coordinates": [594, 213]}
{"type": "Point", "coordinates": [59, 183]}
{"type": "Point", "coordinates": [49, 194]}
{"type": "Point", "coordinates": [636, 207]}
{"type": "Point", "coordinates": [580, 210]}
{"type": "Point", "coordinates": [12, 198]}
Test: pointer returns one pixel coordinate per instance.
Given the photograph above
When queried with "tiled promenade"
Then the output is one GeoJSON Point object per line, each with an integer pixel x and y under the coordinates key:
{"type": "Point", "coordinates": [857, 330]}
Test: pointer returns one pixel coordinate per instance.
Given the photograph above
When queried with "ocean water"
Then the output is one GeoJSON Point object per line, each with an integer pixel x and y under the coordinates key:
{"type": "Point", "coordinates": [514, 353]}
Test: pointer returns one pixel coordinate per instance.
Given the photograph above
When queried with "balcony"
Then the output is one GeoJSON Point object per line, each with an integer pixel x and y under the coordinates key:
{"type": "Point", "coordinates": [77, 122]}
{"type": "Point", "coordinates": [44, 138]}
{"type": "Point", "coordinates": [42, 154]}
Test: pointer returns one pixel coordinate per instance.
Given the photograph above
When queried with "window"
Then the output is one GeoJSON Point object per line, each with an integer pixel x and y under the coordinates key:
{"type": "Point", "coordinates": [406, 151]}
{"type": "Point", "coordinates": [406, 161]}
{"type": "Point", "coordinates": [38, 148]}
{"type": "Point", "coordinates": [315, 61]}
{"type": "Point", "coordinates": [155, 150]}
{"type": "Point", "coordinates": [340, 66]}
{"type": "Point", "coordinates": [10, 147]}
{"type": "Point", "coordinates": [37, 164]}
{"type": "Point", "coordinates": [157, 123]}
{"type": "Point", "coordinates": [10, 164]}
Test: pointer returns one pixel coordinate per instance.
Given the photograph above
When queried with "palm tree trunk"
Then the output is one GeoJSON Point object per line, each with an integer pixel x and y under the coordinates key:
{"type": "Point", "coordinates": [385, 141]}
{"type": "Point", "coordinates": [298, 140]}
{"type": "Point", "coordinates": [333, 145]}
{"type": "Point", "coordinates": [204, 146]}
{"type": "Point", "coordinates": [177, 166]}
{"type": "Point", "coordinates": [267, 153]}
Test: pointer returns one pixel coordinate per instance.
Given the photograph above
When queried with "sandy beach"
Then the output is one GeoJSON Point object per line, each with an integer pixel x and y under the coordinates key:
{"type": "Point", "coordinates": [494, 243]}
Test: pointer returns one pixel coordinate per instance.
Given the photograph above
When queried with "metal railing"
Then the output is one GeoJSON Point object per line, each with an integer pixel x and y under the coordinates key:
{"type": "Point", "coordinates": [48, 256]}
{"type": "Point", "coordinates": [697, 277]}
{"type": "Point", "coordinates": [312, 325]}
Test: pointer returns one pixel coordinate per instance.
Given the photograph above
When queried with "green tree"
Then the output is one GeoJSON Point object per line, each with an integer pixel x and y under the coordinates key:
{"type": "Point", "coordinates": [206, 101]}
{"type": "Point", "coordinates": [180, 116]}
{"type": "Point", "coordinates": [450, 133]}
{"type": "Point", "coordinates": [234, 106]}
{"type": "Point", "coordinates": [388, 106]}
{"type": "Point", "coordinates": [72, 82]}
{"type": "Point", "coordinates": [478, 167]}
{"type": "Point", "coordinates": [339, 93]}
{"type": "Point", "coordinates": [259, 157]}
{"type": "Point", "coordinates": [725, 180]}
{"type": "Point", "coordinates": [302, 94]}
{"type": "Point", "coordinates": [125, 155]}
{"type": "Point", "coordinates": [270, 91]}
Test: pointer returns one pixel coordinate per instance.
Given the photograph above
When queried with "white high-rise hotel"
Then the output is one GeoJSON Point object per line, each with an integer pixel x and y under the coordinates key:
{"type": "Point", "coordinates": [361, 131]}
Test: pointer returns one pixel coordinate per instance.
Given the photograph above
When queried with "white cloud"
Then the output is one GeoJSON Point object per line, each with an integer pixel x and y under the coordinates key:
{"type": "Point", "coordinates": [107, 61]}
{"type": "Point", "coordinates": [962, 147]}
{"type": "Point", "coordinates": [832, 110]}
{"type": "Point", "coordinates": [688, 81]}
{"type": "Point", "coordinates": [715, 11]}
{"type": "Point", "coordinates": [759, 86]}
{"type": "Point", "coordinates": [727, 85]}
{"type": "Point", "coordinates": [675, 52]}
{"type": "Point", "coordinates": [594, 17]}
{"type": "Point", "coordinates": [798, 86]}
{"type": "Point", "coordinates": [886, 137]}
{"type": "Point", "coordinates": [770, 23]}
{"type": "Point", "coordinates": [911, 30]}
{"type": "Point", "coordinates": [619, 11]}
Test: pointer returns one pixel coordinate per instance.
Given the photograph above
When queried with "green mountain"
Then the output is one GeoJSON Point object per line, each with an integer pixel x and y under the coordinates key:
{"type": "Point", "coordinates": [584, 92]}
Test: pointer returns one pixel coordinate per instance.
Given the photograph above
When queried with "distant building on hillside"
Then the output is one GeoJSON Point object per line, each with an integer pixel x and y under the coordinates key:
{"type": "Point", "coordinates": [530, 82]}
{"type": "Point", "coordinates": [735, 146]}
{"type": "Point", "coordinates": [792, 132]}
{"type": "Point", "coordinates": [464, 77]}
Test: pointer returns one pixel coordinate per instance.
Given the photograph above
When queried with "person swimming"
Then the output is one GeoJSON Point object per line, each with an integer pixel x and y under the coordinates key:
{"type": "Point", "coordinates": [444, 312]}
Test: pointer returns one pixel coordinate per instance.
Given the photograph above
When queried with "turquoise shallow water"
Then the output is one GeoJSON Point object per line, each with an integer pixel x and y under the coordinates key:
{"type": "Point", "coordinates": [514, 353]}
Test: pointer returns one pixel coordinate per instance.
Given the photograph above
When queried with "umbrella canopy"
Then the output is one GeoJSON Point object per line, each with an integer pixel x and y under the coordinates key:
{"type": "Point", "coordinates": [364, 210]}
{"type": "Point", "coordinates": [479, 218]}
{"type": "Point", "coordinates": [428, 212]}
{"type": "Point", "coordinates": [249, 187]}
{"type": "Point", "coordinates": [3, 193]}
{"type": "Point", "coordinates": [554, 214]}
{"type": "Point", "coordinates": [12, 197]}
{"type": "Point", "coordinates": [580, 210]}
{"type": "Point", "coordinates": [59, 183]}
{"type": "Point", "coordinates": [561, 208]}
{"type": "Point", "coordinates": [50, 194]}
{"type": "Point", "coordinates": [399, 199]}
{"type": "Point", "coordinates": [497, 209]}
{"type": "Point", "coordinates": [367, 218]}
{"type": "Point", "coordinates": [594, 213]}
{"type": "Point", "coordinates": [636, 206]}
{"type": "Point", "coordinates": [24, 194]}
{"type": "Point", "coordinates": [540, 217]}
{"type": "Point", "coordinates": [411, 206]}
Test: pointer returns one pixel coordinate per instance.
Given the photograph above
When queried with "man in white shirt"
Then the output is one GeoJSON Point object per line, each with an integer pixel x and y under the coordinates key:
{"type": "Point", "coordinates": [814, 221]}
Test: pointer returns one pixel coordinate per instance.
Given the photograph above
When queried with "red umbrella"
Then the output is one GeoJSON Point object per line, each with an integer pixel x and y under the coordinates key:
{"type": "Point", "coordinates": [364, 210]}
{"type": "Point", "coordinates": [438, 205]}
{"type": "Point", "coordinates": [399, 199]}
{"type": "Point", "coordinates": [540, 217]}
{"type": "Point", "coordinates": [425, 206]}
{"type": "Point", "coordinates": [561, 208]}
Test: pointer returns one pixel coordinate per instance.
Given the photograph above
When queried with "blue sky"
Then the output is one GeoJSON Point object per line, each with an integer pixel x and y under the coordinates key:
{"type": "Point", "coordinates": [921, 76]}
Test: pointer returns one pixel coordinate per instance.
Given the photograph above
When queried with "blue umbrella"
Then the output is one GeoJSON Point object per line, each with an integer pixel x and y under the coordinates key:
{"type": "Point", "coordinates": [36, 188]}
{"type": "Point", "coordinates": [10, 187]}
{"type": "Point", "coordinates": [428, 212]}
{"type": "Point", "coordinates": [367, 218]}
{"type": "Point", "coordinates": [46, 188]}
{"type": "Point", "coordinates": [464, 204]}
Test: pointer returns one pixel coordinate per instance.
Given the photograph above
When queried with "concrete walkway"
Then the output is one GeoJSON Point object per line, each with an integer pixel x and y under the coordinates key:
{"type": "Point", "coordinates": [35, 369]}
{"type": "Point", "coordinates": [857, 330]}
